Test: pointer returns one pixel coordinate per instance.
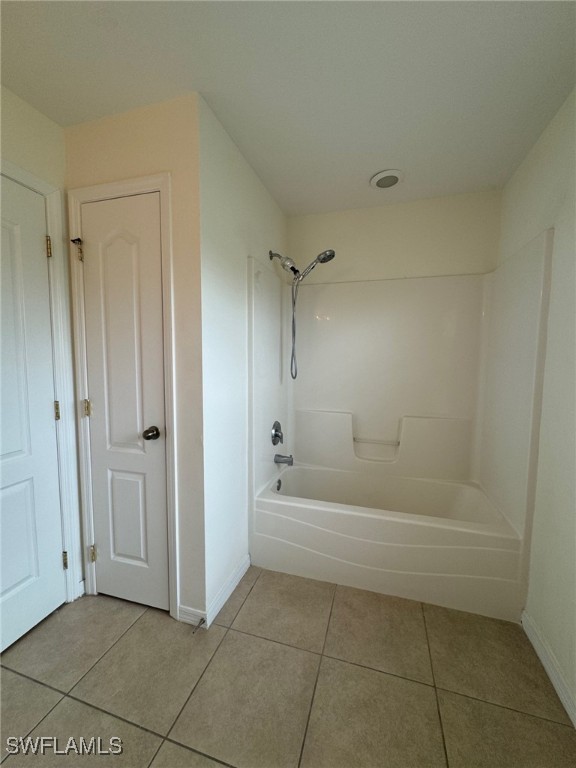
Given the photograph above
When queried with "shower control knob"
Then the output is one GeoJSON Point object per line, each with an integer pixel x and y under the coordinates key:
{"type": "Point", "coordinates": [152, 433]}
{"type": "Point", "coordinates": [277, 436]}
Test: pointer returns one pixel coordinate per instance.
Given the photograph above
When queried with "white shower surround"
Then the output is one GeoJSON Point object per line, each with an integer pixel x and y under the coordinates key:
{"type": "Point", "coordinates": [421, 362]}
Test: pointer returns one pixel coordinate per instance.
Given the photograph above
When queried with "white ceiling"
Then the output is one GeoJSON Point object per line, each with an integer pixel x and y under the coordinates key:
{"type": "Point", "coordinates": [318, 96]}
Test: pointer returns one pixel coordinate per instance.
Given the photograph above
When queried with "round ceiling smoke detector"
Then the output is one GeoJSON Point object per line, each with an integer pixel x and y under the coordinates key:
{"type": "Point", "coordinates": [386, 179]}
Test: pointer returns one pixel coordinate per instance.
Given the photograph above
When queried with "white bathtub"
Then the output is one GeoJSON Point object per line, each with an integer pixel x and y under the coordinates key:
{"type": "Point", "coordinates": [430, 540]}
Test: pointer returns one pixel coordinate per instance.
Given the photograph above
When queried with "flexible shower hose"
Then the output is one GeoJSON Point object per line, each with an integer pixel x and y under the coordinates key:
{"type": "Point", "coordinates": [293, 363]}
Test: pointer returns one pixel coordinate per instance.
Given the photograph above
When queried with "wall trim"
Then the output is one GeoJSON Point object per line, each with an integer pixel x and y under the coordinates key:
{"type": "Point", "coordinates": [190, 615]}
{"type": "Point", "coordinates": [66, 442]}
{"type": "Point", "coordinates": [36, 184]}
{"type": "Point", "coordinates": [550, 664]}
{"type": "Point", "coordinates": [157, 183]}
{"type": "Point", "coordinates": [228, 587]}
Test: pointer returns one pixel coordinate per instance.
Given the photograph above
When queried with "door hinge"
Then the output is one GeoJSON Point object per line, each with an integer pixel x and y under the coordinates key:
{"type": "Point", "coordinates": [92, 553]}
{"type": "Point", "coordinates": [56, 410]}
{"type": "Point", "coordinates": [87, 405]}
{"type": "Point", "coordinates": [65, 560]}
{"type": "Point", "coordinates": [48, 247]}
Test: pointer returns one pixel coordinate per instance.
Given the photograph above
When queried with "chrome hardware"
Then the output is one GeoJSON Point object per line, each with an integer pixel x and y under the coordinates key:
{"type": "Point", "coordinates": [279, 485]}
{"type": "Point", "coordinates": [152, 433]}
{"type": "Point", "coordinates": [279, 459]}
{"type": "Point", "coordinates": [277, 436]}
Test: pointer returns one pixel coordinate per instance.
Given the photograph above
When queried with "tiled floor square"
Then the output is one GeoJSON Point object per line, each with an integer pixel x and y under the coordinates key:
{"type": "Point", "coordinates": [23, 703]}
{"type": "Point", "coordinates": [61, 649]}
{"type": "Point", "coordinates": [251, 706]}
{"type": "Point", "coordinates": [481, 735]}
{"type": "Point", "coordinates": [148, 675]}
{"type": "Point", "coordinates": [237, 598]}
{"type": "Point", "coordinates": [288, 609]}
{"type": "Point", "coordinates": [72, 719]}
{"type": "Point", "coordinates": [385, 633]}
{"type": "Point", "coordinates": [368, 719]}
{"type": "Point", "coordinates": [491, 660]}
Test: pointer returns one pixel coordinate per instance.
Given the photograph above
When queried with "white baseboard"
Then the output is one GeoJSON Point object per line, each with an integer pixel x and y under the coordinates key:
{"type": "Point", "coordinates": [194, 616]}
{"type": "Point", "coordinates": [228, 587]}
{"type": "Point", "coordinates": [550, 664]}
{"type": "Point", "coordinates": [190, 615]}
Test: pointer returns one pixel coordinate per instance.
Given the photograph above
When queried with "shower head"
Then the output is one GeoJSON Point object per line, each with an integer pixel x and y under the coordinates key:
{"type": "Point", "coordinates": [285, 262]}
{"type": "Point", "coordinates": [322, 258]}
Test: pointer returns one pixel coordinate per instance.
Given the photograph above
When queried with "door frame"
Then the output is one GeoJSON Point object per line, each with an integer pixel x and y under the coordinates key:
{"type": "Point", "coordinates": [76, 197]}
{"type": "Point", "coordinates": [61, 327]}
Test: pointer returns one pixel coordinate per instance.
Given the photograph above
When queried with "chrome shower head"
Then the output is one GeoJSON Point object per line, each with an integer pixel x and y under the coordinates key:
{"type": "Point", "coordinates": [322, 258]}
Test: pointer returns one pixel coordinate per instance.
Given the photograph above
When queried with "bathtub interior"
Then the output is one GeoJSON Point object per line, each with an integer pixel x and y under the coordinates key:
{"type": "Point", "coordinates": [415, 496]}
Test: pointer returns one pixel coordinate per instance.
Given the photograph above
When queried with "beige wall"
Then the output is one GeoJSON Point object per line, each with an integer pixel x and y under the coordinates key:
{"type": "Point", "coordinates": [441, 236]}
{"type": "Point", "coordinates": [153, 139]}
{"type": "Point", "coordinates": [541, 195]}
{"type": "Point", "coordinates": [32, 141]}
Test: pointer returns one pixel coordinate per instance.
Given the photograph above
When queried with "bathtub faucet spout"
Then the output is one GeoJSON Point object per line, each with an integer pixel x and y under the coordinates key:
{"type": "Point", "coordinates": [279, 459]}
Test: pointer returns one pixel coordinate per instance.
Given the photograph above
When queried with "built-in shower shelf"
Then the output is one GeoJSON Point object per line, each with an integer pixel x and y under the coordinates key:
{"type": "Point", "coordinates": [376, 450]}
{"type": "Point", "coordinates": [427, 446]}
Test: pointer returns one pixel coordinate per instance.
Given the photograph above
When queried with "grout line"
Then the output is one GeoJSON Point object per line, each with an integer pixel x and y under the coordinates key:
{"type": "Point", "coordinates": [335, 658]}
{"type": "Point", "coordinates": [504, 706]}
{"type": "Point", "coordinates": [155, 753]}
{"type": "Point", "coordinates": [277, 642]}
{"type": "Point", "coordinates": [115, 716]}
{"type": "Point", "coordinates": [107, 651]}
{"type": "Point", "coordinates": [197, 682]}
{"type": "Point", "coordinates": [34, 680]}
{"type": "Point", "coordinates": [241, 605]}
{"type": "Point", "coordinates": [317, 677]}
{"type": "Point", "coordinates": [41, 719]}
{"type": "Point", "coordinates": [435, 688]}
{"type": "Point", "coordinates": [484, 701]}
{"type": "Point", "coordinates": [246, 598]}
{"type": "Point", "coordinates": [428, 643]}
{"type": "Point", "coordinates": [329, 619]}
{"type": "Point", "coordinates": [198, 752]}
{"type": "Point", "coordinates": [328, 656]}
{"type": "Point", "coordinates": [379, 671]}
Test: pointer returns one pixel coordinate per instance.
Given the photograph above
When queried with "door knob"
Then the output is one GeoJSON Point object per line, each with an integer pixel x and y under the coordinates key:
{"type": "Point", "coordinates": [152, 433]}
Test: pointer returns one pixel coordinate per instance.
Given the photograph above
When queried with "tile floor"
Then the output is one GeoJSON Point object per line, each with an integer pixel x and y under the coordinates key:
{"type": "Point", "coordinates": [294, 672]}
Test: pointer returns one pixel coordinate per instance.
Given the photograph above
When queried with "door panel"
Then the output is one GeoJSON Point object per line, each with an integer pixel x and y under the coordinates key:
{"type": "Point", "coordinates": [124, 340]}
{"type": "Point", "coordinates": [32, 576]}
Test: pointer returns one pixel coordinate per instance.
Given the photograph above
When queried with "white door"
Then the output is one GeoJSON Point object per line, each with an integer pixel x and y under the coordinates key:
{"type": "Point", "coordinates": [124, 348]}
{"type": "Point", "coordinates": [32, 575]}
